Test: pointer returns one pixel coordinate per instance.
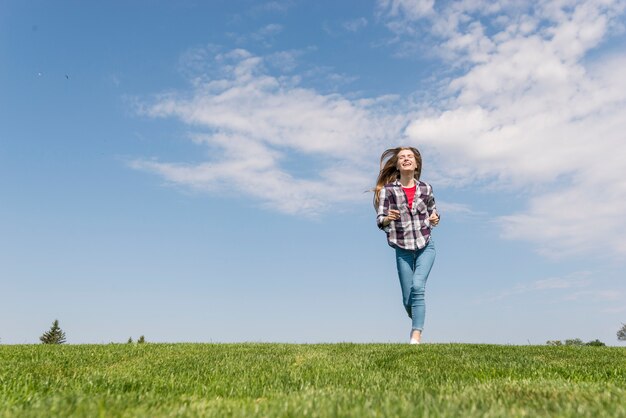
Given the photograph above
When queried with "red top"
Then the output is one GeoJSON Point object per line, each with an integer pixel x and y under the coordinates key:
{"type": "Point", "coordinates": [410, 194]}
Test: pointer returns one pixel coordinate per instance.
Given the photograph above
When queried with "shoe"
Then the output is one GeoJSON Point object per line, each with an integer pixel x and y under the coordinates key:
{"type": "Point", "coordinates": [413, 341]}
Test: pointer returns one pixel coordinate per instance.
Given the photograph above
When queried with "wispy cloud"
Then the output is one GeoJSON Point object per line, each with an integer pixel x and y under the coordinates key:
{"type": "Point", "coordinates": [339, 28]}
{"type": "Point", "coordinates": [406, 10]}
{"type": "Point", "coordinates": [575, 287]}
{"type": "Point", "coordinates": [286, 61]}
{"type": "Point", "coordinates": [255, 120]}
{"type": "Point", "coordinates": [530, 113]}
{"type": "Point", "coordinates": [355, 25]}
{"type": "Point", "coordinates": [597, 295]}
{"type": "Point", "coordinates": [267, 33]}
{"type": "Point", "coordinates": [274, 6]}
{"type": "Point", "coordinates": [456, 208]}
{"type": "Point", "coordinates": [574, 281]}
{"type": "Point", "coordinates": [264, 36]}
{"type": "Point", "coordinates": [610, 300]}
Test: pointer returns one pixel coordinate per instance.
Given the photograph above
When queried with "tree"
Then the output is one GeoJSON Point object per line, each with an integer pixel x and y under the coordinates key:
{"type": "Point", "coordinates": [54, 336]}
{"type": "Point", "coordinates": [595, 343]}
{"type": "Point", "coordinates": [130, 340]}
{"type": "Point", "coordinates": [574, 341]}
{"type": "Point", "coordinates": [141, 340]}
{"type": "Point", "coordinates": [621, 334]}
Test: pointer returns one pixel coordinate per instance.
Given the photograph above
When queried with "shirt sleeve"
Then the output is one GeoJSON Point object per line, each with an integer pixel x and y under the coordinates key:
{"type": "Point", "coordinates": [383, 208]}
{"type": "Point", "coordinates": [432, 206]}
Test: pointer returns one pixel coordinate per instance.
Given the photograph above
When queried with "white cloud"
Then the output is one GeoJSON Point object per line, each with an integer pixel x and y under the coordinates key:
{"type": "Point", "coordinates": [254, 121]}
{"type": "Point", "coordinates": [267, 31]}
{"type": "Point", "coordinates": [573, 287]}
{"type": "Point", "coordinates": [573, 281]}
{"type": "Point", "coordinates": [614, 310]}
{"type": "Point", "coordinates": [459, 209]}
{"type": "Point", "coordinates": [527, 111]}
{"type": "Point", "coordinates": [597, 295]}
{"type": "Point", "coordinates": [406, 9]}
{"type": "Point", "coordinates": [355, 25]}
{"type": "Point", "coordinates": [531, 114]}
{"type": "Point", "coordinates": [274, 6]}
{"type": "Point", "coordinates": [264, 36]}
{"type": "Point", "coordinates": [286, 61]}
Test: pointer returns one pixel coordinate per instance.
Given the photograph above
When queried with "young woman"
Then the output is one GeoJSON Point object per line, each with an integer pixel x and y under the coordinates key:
{"type": "Point", "coordinates": [406, 211]}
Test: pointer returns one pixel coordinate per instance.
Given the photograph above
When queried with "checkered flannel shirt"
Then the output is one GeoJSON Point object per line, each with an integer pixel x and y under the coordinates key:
{"type": "Point", "coordinates": [412, 230]}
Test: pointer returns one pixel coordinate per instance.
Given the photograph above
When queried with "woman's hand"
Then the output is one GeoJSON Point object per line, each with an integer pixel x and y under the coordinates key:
{"type": "Point", "coordinates": [433, 219]}
{"type": "Point", "coordinates": [393, 215]}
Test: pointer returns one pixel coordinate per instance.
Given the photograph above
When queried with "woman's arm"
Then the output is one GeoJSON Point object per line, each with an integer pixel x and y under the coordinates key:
{"type": "Point", "coordinates": [384, 215]}
{"type": "Point", "coordinates": [433, 218]}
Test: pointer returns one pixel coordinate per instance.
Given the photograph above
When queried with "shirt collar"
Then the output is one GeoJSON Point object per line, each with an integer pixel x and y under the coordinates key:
{"type": "Point", "coordinates": [397, 183]}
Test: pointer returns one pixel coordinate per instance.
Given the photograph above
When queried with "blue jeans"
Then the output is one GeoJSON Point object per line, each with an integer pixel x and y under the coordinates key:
{"type": "Point", "coordinates": [413, 270]}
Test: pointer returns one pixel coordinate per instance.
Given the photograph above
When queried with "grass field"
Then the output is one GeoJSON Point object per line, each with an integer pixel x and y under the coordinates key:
{"type": "Point", "coordinates": [360, 380]}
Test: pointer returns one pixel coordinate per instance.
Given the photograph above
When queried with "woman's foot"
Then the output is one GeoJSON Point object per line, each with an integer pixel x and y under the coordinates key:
{"type": "Point", "coordinates": [416, 336]}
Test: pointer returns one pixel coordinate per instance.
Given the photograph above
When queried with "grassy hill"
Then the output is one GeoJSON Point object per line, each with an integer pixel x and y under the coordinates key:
{"type": "Point", "coordinates": [360, 380]}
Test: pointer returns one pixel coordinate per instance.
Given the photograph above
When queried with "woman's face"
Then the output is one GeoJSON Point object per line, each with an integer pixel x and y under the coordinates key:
{"type": "Point", "coordinates": [406, 161]}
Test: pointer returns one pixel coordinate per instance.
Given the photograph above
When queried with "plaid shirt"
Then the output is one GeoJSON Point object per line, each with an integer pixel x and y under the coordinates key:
{"type": "Point", "coordinates": [412, 230]}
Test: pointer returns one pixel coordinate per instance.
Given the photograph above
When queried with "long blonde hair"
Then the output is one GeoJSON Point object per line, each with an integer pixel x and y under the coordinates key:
{"type": "Point", "coordinates": [388, 168]}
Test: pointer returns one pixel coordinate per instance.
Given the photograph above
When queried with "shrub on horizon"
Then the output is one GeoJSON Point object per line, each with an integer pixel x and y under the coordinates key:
{"type": "Point", "coordinates": [54, 336]}
{"type": "Point", "coordinates": [621, 333]}
{"type": "Point", "coordinates": [576, 342]}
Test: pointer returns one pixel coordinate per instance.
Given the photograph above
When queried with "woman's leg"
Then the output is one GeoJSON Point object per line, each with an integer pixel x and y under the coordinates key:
{"type": "Point", "coordinates": [423, 264]}
{"type": "Point", "coordinates": [405, 262]}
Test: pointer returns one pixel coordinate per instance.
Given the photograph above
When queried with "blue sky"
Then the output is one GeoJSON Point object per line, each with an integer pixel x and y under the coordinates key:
{"type": "Point", "coordinates": [195, 171]}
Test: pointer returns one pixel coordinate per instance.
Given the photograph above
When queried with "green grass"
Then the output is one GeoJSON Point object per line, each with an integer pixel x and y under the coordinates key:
{"type": "Point", "coordinates": [360, 380]}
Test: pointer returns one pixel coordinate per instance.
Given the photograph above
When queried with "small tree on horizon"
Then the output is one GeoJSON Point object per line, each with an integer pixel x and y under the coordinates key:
{"type": "Point", "coordinates": [54, 336]}
{"type": "Point", "coordinates": [621, 333]}
{"type": "Point", "coordinates": [141, 340]}
{"type": "Point", "coordinates": [130, 340]}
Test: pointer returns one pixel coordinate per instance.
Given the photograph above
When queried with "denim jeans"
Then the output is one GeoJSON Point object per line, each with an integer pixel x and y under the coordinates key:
{"type": "Point", "coordinates": [413, 270]}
